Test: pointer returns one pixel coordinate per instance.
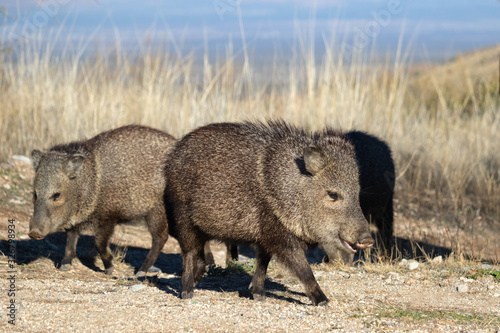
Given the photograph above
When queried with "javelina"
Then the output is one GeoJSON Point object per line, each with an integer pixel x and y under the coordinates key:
{"type": "Point", "coordinates": [115, 177]}
{"type": "Point", "coordinates": [272, 185]}
{"type": "Point", "coordinates": [376, 176]}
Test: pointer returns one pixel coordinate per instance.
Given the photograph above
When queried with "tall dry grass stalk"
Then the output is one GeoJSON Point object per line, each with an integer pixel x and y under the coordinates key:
{"type": "Point", "coordinates": [446, 158]}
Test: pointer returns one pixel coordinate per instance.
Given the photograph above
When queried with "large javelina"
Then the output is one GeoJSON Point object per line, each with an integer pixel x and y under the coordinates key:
{"type": "Point", "coordinates": [271, 185]}
{"type": "Point", "coordinates": [115, 177]}
{"type": "Point", "coordinates": [376, 176]}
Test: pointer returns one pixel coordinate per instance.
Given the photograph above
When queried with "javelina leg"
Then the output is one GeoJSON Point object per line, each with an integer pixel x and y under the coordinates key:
{"type": "Point", "coordinates": [193, 265]}
{"type": "Point", "coordinates": [387, 229]}
{"type": "Point", "coordinates": [70, 251]}
{"type": "Point", "coordinates": [259, 277]}
{"type": "Point", "coordinates": [193, 268]}
{"type": "Point", "coordinates": [199, 267]}
{"type": "Point", "coordinates": [157, 224]}
{"type": "Point", "coordinates": [103, 234]}
{"type": "Point", "coordinates": [209, 257]}
{"type": "Point", "coordinates": [231, 252]}
{"type": "Point", "coordinates": [296, 261]}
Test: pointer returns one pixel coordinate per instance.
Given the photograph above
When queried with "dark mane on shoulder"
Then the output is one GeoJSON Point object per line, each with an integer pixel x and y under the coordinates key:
{"type": "Point", "coordinates": [276, 129]}
{"type": "Point", "coordinates": [76, 147]}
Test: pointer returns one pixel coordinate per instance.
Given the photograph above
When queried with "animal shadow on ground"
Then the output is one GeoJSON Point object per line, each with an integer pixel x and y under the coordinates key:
{"type": "Point", "coordinates": [52, 247]}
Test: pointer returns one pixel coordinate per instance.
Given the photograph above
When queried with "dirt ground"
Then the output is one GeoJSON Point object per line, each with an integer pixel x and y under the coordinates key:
{"type": "Point", "coordinates": [438, 293]}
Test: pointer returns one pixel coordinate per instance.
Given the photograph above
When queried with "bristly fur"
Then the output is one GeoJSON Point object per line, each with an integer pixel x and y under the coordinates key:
{"type": "Point", "coordinates": [270, 184]}
{"type": "Point", "coordinates": [114, 177]}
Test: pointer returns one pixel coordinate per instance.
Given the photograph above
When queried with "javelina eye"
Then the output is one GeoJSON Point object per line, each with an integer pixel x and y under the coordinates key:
{"type": "Point", "coordinates": [333, 195]}
{"type": "Point", "coordinates": [56, 196]}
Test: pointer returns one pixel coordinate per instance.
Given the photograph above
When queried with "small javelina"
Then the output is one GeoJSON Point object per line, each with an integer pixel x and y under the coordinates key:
{"type": "Point", "coordinates": [376, 176]}
{"type": "Point", "coordinates": [115, 177]}
{"type": "Point", "coordinates": [272, 185]}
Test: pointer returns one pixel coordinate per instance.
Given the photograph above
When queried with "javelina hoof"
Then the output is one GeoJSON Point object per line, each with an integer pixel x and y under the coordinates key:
{"type": "Point", "coordinates": [109, 271]}
{"type": "Point", "coordinates": [324, 303]}
{"type": "Point", "coordinates": [259, 297]}
{"type": "Point", "coordinates": [153, 269]}
{"type": "Point", "coordinates": [65, 267]}
{"type": "Point", "coordinates": [186, 295]}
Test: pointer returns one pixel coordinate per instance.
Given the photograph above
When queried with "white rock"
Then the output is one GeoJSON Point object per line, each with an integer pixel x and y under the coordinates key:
{"type": "Point", "coordinates": [137, 287]}
{"type": "Point", "coordinates": [21, 159]}
{"type": "Point", "coordinates": [17, 201]}
{"type": "Point", "coordinates": [462, 288]}
{"type": "Point", "coordinates": [437, 260]}
{"type": "Point", "coordinates": [413, 265]}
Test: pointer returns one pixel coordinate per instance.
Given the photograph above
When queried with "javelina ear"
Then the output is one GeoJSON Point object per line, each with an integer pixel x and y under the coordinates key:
{"type": "Point", "coordinates": [36, 156]}
{"type": "Point", "coordinates": [314, 160]}
{"type": "Point", "coordinates": [73, 165]}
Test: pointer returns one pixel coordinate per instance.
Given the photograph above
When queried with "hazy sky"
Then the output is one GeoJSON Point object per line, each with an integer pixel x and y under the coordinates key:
{"type": "Point", "coordinates": [437, 28]}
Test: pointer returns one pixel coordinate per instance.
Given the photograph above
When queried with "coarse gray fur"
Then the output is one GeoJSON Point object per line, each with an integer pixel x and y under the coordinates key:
{"type": "Point", "coordinates": [272, 185]}
{"type": "Point", "coordinates": [376, 176]}
{"type": "Point", "coordinates": [115, 177]}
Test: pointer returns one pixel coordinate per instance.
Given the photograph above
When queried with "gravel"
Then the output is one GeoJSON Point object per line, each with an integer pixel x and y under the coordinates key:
{"type": "Point", "coordinates": [88, 300]}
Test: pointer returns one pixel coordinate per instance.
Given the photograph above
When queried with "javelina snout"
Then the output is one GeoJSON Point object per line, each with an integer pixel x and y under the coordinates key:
{"type": "Point", "coordinates": [272, 185]}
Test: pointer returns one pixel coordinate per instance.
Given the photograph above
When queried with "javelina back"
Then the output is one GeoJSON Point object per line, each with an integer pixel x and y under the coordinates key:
{"type": "Point", "coordinates": [272, 185]}
{"type": "Point", "coordinates": [115, 177]}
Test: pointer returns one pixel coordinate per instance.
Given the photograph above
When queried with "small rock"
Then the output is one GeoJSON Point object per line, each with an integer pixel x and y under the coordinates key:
{"type": "Point", "coordinates": [496, 295]}
{"type": "Point", "coordinates": [413, 264]}
{"type": "Point", "coordinates": [137, 287]}
{"type": "Point", "coordinates": [17, 201]}
{"type": "Point", "coordinates": [466, 279]}
{"type": "Point", "coordinates": [438, 260]}
{"type": "Point", "coordinates": [167, 276]}
{"type": "Point", "coordinates": [154, 269]}
{"type": "Point", "coordinates": [21, 159]}
{"type": "Point", "coordinates": [486, 266]}
{"type": "Point", "coordinates": [490, 287]}
{"type": "Point", "coordinates": [403, 262]}
{"type": "Point", "coordinates": [6, 186]}
{"type": "Point", "coordinates": [462, 288]}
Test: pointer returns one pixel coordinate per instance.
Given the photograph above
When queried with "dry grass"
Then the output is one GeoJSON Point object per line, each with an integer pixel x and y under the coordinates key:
{"type": "Point", "coordinates": [445, 140]}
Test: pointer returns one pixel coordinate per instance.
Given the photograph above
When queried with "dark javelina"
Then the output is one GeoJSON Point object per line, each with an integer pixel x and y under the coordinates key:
{"type": "Point", "coordinates": [376, 175]}
{"type": "Point", "coordinates": [376, 178]}
{"type": "Point", "coordinates": [115, 177]}
{"type": "Point", "coordinates": [271, 185]}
